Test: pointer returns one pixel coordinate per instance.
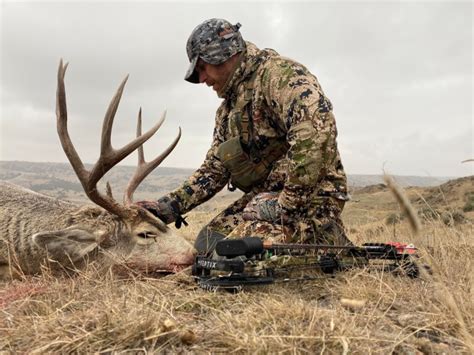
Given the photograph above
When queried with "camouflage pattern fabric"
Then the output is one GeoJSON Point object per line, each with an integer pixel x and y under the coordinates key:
{"type": "Point", "coordinates": [325, 227]}
{"type": "Point", "coordinates": [231, 222]}
{"type": "Point", "coordinates": [287, 101]}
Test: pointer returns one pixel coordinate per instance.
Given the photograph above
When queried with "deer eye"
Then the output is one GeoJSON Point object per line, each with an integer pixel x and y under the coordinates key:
{"type": "Point", "coordinates": [147, 235]}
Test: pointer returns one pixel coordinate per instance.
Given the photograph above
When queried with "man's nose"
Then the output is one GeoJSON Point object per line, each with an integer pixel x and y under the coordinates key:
{"type": "Point", "coordinates": [202, 76]}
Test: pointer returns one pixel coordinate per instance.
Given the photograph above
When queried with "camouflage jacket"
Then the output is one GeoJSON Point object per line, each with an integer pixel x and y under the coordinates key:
{"type": "Point", "coordinates": [287, 101]}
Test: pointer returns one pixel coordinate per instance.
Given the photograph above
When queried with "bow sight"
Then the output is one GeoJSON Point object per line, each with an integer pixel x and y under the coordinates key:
{"type": "Point", "coordinates": [251, 261]}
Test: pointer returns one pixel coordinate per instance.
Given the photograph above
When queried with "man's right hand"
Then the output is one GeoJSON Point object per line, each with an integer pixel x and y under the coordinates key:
{"type": "Point", "coordinates": [165, 209]}
{"type": "Point", "coordinates": [153, 207]}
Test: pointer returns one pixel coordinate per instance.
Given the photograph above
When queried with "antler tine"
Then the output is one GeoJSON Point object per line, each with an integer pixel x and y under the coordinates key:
{"type": "Point", "coordinates": [144, 168]}
{"type": "Point", "coordinates": [106, 143]}
{"type": "Point", "coordinates": [61, 124]}
{"type": "Point", "coordinates": [109, 156]}
{"type": "Point", "coordinates": [108, 190]}
{"type": "Point", "coordinates": [141, 154]}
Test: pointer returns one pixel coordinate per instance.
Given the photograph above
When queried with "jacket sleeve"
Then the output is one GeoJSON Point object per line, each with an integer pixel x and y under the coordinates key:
{"type": "Point", "coordinates": [210, 178]}
{"type": "Point", "coordinates": [300, 106]}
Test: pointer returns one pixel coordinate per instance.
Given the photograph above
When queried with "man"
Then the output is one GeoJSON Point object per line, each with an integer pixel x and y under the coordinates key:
{"type": "Point", "coordinates": [274, 139]}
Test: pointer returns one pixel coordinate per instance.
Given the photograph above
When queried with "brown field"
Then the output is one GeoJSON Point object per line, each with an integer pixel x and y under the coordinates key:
{"type": "Point", "coordinates": [354, 312]}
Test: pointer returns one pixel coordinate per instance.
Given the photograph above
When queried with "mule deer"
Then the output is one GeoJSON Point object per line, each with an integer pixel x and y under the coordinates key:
{"type": "Point", "coordinates": [38, 231]}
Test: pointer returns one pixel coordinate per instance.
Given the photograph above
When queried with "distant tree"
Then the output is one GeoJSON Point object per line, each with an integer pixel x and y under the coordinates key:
{"type": "Point", "coordinates": [469, 206]}
{"type": "Point", "coordinates": [393, 218]}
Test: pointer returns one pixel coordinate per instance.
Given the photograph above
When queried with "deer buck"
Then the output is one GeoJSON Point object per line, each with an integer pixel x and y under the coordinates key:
{"type": "Point", "coordinates": [37, 231]}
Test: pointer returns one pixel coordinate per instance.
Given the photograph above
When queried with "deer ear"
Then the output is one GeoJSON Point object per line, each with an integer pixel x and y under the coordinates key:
{"type": "Point", "coordinates": [68, 245]}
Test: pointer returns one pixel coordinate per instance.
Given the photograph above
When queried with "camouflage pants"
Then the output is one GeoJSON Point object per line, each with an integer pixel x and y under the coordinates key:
{"type": "Point", "coordinates": [323, 227]}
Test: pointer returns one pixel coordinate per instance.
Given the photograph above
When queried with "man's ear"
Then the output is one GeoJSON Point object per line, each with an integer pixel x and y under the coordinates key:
{"type": "Point", "coordinates": [68, 245]}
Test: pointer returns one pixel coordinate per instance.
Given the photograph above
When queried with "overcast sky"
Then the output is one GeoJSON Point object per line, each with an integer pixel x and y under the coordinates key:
{"type": "Point", "coordinates": [399, 75]}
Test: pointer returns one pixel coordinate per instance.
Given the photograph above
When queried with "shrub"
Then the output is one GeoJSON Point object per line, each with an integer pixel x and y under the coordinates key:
{"type": "Point", "coordinates": [393, 218]}
{"type": "Point", "coordinates": [453, 218]}
{"type": "Point", "coordinates": [469, 206]}
{"type": "Point", "coordinates": [428, 213]}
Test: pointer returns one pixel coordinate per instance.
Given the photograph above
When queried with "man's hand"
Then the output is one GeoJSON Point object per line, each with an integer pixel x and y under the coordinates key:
{"type": "Point", "coordinates": [165, 209]}
{"type": "Point", "coordinates": [264, 207]}
{"type": "Point", "coordinates": [155, 209]}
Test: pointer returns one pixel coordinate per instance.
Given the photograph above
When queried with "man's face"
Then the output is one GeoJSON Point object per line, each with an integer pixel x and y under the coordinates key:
{"type": "Point", "coordinates": [214, 75]}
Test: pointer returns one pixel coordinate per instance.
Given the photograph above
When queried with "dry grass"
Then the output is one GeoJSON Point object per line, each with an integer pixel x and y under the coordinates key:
{"type": "Point", "coordinates": [355, 312]}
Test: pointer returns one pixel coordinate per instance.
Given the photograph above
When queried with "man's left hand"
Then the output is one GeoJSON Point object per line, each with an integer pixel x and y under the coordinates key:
{"type": "Point", "coordinates": [264, 207]}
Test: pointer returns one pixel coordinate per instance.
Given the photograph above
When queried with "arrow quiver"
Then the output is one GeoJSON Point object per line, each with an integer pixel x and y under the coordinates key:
{"type": "Point", "coordinates": [249, 261]}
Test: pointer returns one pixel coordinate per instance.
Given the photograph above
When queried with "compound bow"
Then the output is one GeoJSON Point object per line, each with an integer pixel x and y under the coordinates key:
{"type": "Point", "coordinates": [237, 263]}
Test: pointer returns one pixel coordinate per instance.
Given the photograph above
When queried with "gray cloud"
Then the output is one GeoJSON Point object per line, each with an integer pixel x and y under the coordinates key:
{"type": "Point", "coordinates": [398, 73]}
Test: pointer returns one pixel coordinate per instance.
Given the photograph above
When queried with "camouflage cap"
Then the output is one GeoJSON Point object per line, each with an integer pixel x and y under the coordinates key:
{"type": "Point", "coordinates": [214, 41]}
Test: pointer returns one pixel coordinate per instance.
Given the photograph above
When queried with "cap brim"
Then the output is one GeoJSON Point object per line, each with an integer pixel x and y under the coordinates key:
{"type": "Point", "coordinates": [191, 75]}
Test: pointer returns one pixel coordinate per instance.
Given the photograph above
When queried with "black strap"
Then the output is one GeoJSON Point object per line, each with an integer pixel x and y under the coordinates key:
{"type": "Point", "coordinates": [179, 219]}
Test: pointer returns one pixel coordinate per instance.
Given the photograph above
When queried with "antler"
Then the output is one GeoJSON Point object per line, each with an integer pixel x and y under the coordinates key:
{"type": "Point", "coordinates": [109, 156]}
{"type": "Point", "coordinates": [144, 168]}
